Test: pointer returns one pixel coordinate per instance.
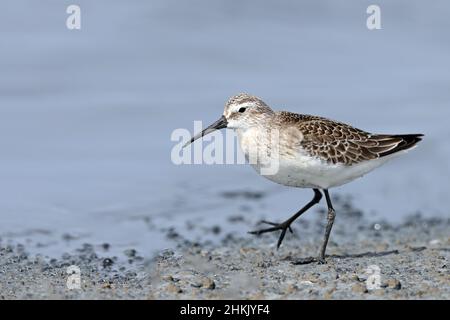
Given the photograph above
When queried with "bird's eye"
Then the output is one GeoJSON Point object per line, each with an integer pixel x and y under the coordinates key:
{"type": "Point", "coordinates": [242, 109]}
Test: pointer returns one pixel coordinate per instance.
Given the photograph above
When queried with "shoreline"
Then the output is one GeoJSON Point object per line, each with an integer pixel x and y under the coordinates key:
{"type": "Point", "coordinates": [411, 257]}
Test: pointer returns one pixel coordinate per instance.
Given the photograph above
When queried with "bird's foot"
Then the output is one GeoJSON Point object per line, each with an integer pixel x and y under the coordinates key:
{"type": "Point", "coordinates": [284, 226]}
{"type": "Point", "coordinates": [308, 260]}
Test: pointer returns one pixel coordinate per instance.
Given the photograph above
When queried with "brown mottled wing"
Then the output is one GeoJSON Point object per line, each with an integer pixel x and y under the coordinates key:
{"type": "Point", "coordinates": [337, 142]}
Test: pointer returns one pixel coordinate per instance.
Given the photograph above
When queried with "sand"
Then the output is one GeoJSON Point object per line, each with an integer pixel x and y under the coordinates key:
{"type": "Point", "coordinates": [408, 260]}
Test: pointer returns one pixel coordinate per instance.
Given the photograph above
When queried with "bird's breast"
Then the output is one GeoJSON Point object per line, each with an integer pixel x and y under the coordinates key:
{"type": "Point", "coordinates": [254, 144]}
{"type": "Point", "coordinates": [284, 162]}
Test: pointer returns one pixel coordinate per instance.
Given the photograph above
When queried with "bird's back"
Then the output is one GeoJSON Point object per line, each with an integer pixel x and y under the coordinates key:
{"type": "Point", "coordinates": [339, 143]}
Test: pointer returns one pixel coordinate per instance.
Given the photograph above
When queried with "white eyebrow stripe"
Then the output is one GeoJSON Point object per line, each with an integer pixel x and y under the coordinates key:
{"type": "Point", "coordinates": [236, 107]}
{"type": "Point", "coordinates": [233, 108]}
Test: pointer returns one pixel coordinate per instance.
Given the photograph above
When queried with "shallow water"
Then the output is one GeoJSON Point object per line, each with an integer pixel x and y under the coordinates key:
{"type": "Point", "coordinates": [86, 116]}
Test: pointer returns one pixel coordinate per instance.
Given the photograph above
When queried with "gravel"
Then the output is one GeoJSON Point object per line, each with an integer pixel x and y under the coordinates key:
{"type": "Point", "coordinates": [408, 260]}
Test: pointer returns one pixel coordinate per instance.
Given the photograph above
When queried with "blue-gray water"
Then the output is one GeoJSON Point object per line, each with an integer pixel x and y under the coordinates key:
{"type": "Point", "coordinates": [86, 116]}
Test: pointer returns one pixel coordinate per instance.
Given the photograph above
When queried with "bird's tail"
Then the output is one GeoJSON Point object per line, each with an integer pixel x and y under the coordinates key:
{"type": "Point", "coordinates": [395, 143]}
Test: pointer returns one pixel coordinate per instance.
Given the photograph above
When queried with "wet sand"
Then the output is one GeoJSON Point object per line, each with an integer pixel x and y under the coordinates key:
{"type": "Point", "coordinates": [412, 258]}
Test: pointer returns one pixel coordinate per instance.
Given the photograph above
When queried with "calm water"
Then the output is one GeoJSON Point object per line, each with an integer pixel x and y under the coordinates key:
{"type": "Point", "coordinates": [86, 116]}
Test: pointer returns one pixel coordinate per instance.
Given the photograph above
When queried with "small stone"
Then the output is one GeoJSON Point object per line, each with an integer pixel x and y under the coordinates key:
{"type": "Point", "coordinates": [208, 283]}
{"type": "Point", "coordinates": [86, 247]}
{"type": "Point", "coordinates": [107, 262]}
{"type": "Point", "coordinates": [394, 284]}
{"type": "Point", "coordinates": [173, 288]}
{"type": "Point", "coordinates": [236, 218]}
{"type": "Point", "coordinates": [130, 253]}
{"type": "Point", "coordinates": [435, 242]}
{"type": "Point", "coordinates": [168, 278]}
{"type": "Point", "coordinates": [204, 253]}
{"type": "Point", "coordinates": [359, 288]}
{"type": "Point", "coordinates": [216, 229]}
{"type": "Point", "coordinates": [314, 278]}
{"type": "Point", "coordinates": [291, 288]}
{"type": "Point", "coordinates": [378, 292]}
{"type": "Point", "coordinates": [65, 256]}
{"type": "Point", "coordinates": [355, 277]}
{"type": "Point", "coordinates": [382, 247]}
{"type": "Point", "coordinates": [246, 250]}
{"type": "Point", "coordinates": [172, 234]}
{"type": "Point", "coordinates": [329, 293]}
{"type": "Point", "coordinates": [166, 254]}
{"type": "Point", "coordinates": [264, 264]}
{"type": "Point", "coordinates": [68, 237]}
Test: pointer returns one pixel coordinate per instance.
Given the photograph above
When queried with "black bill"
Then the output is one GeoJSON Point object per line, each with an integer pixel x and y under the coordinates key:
{"type": "Point", "coordinates": [219, 124]}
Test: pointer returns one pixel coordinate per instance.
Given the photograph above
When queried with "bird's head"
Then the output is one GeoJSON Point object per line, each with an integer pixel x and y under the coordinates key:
{"type": "Point", "coordinates": [242, 111]}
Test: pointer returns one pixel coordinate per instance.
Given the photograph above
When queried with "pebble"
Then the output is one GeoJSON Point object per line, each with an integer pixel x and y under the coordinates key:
{"type": "Point", "coordinates": [205, 282]}
{"type": "Point", "coordinates": [172, 234]}
{"type": "Point", "coordinates": [216, 229]}
{"type": "Point", "coordinates": [291, 288]}
{"type": "Point", "coordinates": [359, 288]}
{"type": "Point", "coordinates": [435, 242]}
{"type": "Point", "coordinates": [173, 288]}
{"type": "Point", "coordinates": [246, 250]}
{"type": "Point", "coordinates": [130, 253]}
{"type": "Point", "coordinates": [329, 293]}
{"type": "Point", "coordinates": [107, 262]}
{"type": "Point", "coordinates": [208, 283]}
{"type": "Point", "coordinates": [355, 277]}
{"type": "Point", "coordinates": [382, 247]}
{"type": "Point", "coordinates": [392, 284]}
{"type": "Point", "coordinates": [379, 292]}
{"type": "Point", "coordinates": [168, 278]}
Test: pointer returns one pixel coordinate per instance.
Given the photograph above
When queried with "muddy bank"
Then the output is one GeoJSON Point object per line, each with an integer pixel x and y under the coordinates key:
{"type": "Point", "coordinates": [411, 259]}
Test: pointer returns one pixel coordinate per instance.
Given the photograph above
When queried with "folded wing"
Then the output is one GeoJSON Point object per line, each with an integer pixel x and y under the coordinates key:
{"type": "Point", "coordinates": [339, 143]}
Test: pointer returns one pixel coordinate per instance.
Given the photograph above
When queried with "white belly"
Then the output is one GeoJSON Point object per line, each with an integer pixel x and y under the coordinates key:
{"type": "Point", "coordinates": [306, 172]}
{"type": "Point", "coordinates": [300, 170]}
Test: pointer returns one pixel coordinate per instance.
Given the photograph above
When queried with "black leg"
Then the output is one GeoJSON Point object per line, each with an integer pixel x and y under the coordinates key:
{"type": "Point", "coordinates": [330, 219]}
{"type": "Point", "coordinates": [284, 226]}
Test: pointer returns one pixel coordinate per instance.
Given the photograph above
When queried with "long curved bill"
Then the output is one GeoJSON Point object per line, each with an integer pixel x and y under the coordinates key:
{"type": "Point", "coordinates": [219, 124]}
